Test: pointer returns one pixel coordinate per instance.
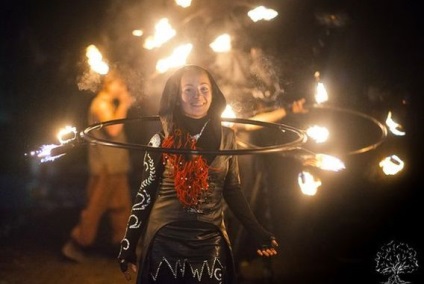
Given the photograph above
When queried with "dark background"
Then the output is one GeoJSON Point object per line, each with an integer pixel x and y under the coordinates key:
{"type": "Point", "coordinates": [369, 53]}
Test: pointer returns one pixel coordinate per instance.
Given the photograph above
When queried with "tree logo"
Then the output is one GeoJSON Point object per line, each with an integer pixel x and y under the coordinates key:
{"type": "Point", "coordinates": [396, 258]}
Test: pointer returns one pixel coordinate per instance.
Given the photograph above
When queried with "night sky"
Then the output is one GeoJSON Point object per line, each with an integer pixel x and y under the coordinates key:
{"type": "Point", "coordinates": [370, 54]}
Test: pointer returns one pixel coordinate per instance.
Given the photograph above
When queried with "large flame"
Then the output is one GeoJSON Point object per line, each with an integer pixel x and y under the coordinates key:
{"type": "Point", "coordinates": [323, 162]}
{"type": "Point", "coordinates": [308, 183]}
{"type": "Point", "coordinates": [176, 59]}
{"type": "Point", "coordinates": [262, 13]}
{"type": "Point", "coordinates": [394, 127]}
{"type": "Point", "coordinates": [183, 3]}
{"type": "Point", "coordinates": [391, 165]}
{"type": "Point", "coordinates": [321, 94]}
{"type": "Point", "coordinates": [95, 60]}
{"type": "Point", "coordinates": [318, 133]}
{"type": "Point", "coordinates": [67, 134]}
{"type": "Point", "coordinates": [228, 113]}
{"type": "Point", "coordinates": [222, 43]}
{"type": "Point", "coordinates": [163, 33]}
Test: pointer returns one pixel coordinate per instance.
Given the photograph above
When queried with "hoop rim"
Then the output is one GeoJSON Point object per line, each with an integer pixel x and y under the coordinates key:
{"type": "Point", "coordinates": [292, 145]}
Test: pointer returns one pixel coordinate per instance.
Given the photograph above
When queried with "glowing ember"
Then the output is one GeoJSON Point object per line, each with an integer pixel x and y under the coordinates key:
{"type": "Point", "coordinates": [391, 165]}
{"type": "Point", "coordinates": [222, 43]}
{"type": "Point", "coordinates": [308, 183]}
{"type": "Point", "coordinates": [262, 13]}
{"type": "Point", "coordinates": [321, 95]}
{"type": "Point", "coordinates": [163, 33]}
{"type": "Point", "coordinates": [178, 58]}
{"type": "Point", "coordinates": [183, 3]}
{"type": "Point", "coordinates": [318, 134]}
{"type": "Point", "coordinates": [393, 126]}
{"type": "Point", "coordinates": [137, 33]}
{"type": "Point", "coordinates": [95, 60]}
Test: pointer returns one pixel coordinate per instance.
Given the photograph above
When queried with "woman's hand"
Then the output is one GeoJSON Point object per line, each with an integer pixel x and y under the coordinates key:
{"type": "Point", "coordinates": [123, 264]}
{"type": "Point", "coordinates": [268, 250]}
{"type": "Point", "coordinates": [297, 106]}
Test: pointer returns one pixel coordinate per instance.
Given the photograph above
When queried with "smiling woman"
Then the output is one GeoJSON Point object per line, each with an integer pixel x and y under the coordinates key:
{"type": "Point", "coordinates": [180, 204]}
{"type": "Point", "coordinates": [196, 95]}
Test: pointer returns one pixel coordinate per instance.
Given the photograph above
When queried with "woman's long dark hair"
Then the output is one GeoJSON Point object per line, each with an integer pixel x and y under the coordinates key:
{"type": "Point", "coordinates": [190, 172]}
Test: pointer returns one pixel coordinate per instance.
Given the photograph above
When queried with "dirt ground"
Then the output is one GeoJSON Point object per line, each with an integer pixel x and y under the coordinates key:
{"type": "Point", "coordinates": [315, 246]}
{"type": "Point", "coordinates": [30, 253]}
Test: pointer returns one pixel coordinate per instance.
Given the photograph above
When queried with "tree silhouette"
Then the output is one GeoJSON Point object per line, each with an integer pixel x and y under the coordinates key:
{"type": "Point", "coordinates": [396, 258]}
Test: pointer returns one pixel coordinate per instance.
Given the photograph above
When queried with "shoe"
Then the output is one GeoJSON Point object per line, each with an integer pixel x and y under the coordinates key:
{"type": "Point", "coordinates": [72, 251]}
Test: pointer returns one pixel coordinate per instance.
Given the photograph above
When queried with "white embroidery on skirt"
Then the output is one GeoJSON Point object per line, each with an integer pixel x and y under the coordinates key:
{"type": "Point", "coordinates": [214, 271]}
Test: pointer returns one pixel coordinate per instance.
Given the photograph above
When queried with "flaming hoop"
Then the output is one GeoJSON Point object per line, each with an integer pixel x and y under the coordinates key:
{"type": "Point", "coordinates": [281, 128]}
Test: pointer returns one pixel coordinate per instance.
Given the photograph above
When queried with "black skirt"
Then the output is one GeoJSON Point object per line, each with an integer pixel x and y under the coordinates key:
{"type": "Point", "coordinates": [188, 252]}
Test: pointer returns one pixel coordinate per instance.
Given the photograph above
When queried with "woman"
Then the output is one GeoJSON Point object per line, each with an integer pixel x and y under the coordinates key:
{"type": "Point", "coordinates": [179, 206]}
{"type": "Point", "coordinates": [108, 192]}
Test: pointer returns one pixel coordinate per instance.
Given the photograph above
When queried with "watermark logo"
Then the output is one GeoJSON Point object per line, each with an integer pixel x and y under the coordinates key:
{"type": "Point", "coordinates": [394, 259]}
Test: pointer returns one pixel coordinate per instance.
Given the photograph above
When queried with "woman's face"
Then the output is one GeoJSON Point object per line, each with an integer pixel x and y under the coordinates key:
{"type": "Point", "coordinates": [196, 93]}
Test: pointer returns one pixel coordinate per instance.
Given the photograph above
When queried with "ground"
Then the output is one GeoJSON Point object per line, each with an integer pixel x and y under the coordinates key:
{"type": "Point", "coordinates": [30, 251]}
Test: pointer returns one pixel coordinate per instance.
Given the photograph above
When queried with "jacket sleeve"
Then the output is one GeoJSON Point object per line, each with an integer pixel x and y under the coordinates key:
{"type": "Point", "coordinates": [239, 206]}
{"type": "Point", "coordinates": [143, 203]}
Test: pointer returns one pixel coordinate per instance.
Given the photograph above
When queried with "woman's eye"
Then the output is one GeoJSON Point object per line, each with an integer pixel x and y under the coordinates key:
{"type": "Point", "coordinates": [204, 90]}
{"type": "Point", "coordinates": [188, 91]}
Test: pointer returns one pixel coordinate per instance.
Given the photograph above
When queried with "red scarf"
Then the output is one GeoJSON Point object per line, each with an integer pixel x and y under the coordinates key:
{"type": "Point", "coordinates": [190, 172]}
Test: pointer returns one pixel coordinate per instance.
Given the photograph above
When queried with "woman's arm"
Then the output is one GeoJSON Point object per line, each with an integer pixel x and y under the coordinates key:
{"type": "Point", "coordinates": [239, 206]}
{"type": "Point", "coordinates": [141, 208]}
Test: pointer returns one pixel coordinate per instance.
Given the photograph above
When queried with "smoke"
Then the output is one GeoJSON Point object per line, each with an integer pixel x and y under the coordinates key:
{"type": "Point", "coordinates": [89, 81]}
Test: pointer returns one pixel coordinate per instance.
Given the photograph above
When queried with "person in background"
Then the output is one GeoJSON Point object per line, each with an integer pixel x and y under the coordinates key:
{"type": "Point", "coordinates": [179, 208]}
{"type": "Point", "coordinates": [108, 186]}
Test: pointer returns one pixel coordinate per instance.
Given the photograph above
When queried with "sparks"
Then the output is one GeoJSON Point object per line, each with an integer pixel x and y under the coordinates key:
{"type": "Point", "coordinates": [44, 153]}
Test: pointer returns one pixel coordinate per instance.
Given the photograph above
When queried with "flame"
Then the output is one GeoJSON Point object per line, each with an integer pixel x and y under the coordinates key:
{"type": "Point", "coordinates": [318, 133]}
{"type": "Point", "coordinates": [393, 126]}
{"type": "Point", "coordinates": [176, 59]}
{"type": "Point", "coordinates": [163, 33]}
{"type": "Point", "coordinates": [183, 3]}
{"type": "Point", "coordinates": [329, 163]}
{"type": "Point", "coordinates": [95, 60]}
{"type": "Point", "coordinates": [222, 43]}
{"type": "Point", "coordinates": [391, 165]}
{"type": "Point", "coordinates": [308, 183]}
{"type": "Point", "coordinates": [67, 134]}
{"type": "Point", "coordinates": [262, 13]}
{"type": "Point", "coordinates": [324, 162]}
{"type": "Point", "coordinates": [51, 152]}
{"type": "Point", "coordinates": [228, 113]}
{"type": "Point", "coordinates": [321, 95]}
